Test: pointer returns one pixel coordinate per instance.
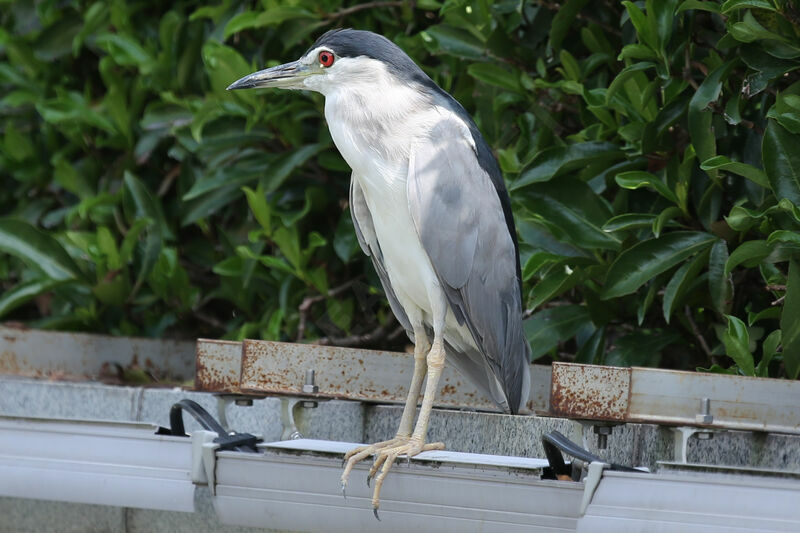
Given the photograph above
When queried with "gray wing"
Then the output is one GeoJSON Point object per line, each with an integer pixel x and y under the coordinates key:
{"type": "Point", "coordinates": [367, 238]}
{"type": "Point", "coordinates": [460, 219]}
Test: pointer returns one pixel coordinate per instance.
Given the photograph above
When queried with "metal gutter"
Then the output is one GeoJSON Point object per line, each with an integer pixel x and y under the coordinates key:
{"type": "Point", "coordinates": [294, 485]}
{"type": "Point", "coordinates": [107, 463]}
{"type": "Point", "coordinates": [678, 501]}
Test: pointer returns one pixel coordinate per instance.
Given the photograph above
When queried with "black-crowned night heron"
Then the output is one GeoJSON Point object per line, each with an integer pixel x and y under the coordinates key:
{"type": "Point", "coordinates": [430, 208]}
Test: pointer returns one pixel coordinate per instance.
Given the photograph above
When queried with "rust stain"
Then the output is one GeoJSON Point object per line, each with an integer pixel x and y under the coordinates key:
{"type": "Point", "coordinates": [589, 391]}
{"type": "Point", "coordinates": [9, 363]}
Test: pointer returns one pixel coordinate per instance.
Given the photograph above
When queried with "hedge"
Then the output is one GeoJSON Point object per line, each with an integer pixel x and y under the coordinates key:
{"type": "Point", "coordinates": [652, 152]}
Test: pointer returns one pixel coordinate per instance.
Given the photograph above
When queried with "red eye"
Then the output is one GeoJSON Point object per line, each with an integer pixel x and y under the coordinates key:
{"type": "Point", "coordinates": [325, 59]}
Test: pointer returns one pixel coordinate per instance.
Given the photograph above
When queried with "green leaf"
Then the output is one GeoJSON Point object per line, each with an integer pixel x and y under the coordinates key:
{"type": "Point", "coordinates": [636, 51]}
{"type": "Point", "coordinates": [790, 321]}
{"type": "Point", "coordinates": [645, 260]}
{"type": "Point", "coordinates": [257, 201]}
{"type": "Point", "coordinates": [572, 212]}
{"type": "Point", "coordinates": [591, 351]}
{"type": "Point", "coordinates": [680, 282]}
{"type": "Point", "coordinates": [640, 23]}
{"type": "Point", "coordinates": [24, 292]}
{"type": "Point", "coordinates": [548, 327]}
{"type": "Point", "coordinates": [737, 345]}
{"type": "Point", "coordinates": [638, 178]}
{"type": "Point", "coordinates": [629, 221]}
{"type": "Point", "coordinates": [492, 74]}
{"type": "Point", "coordinates": [345, 242]}
{"type": "Point", "coordinates": [770, 313]}
{"type": "Point", "coordinates": [224, 65]}
{"type": "Point", "coordinates": [782, 161]}
{"type": "Point", "coordinates": [340, 312]}
{"type": "Point", "coordinates": [38, 250]}
{"type": "Point", "coordinates": [556, 161]}
{"type": "Point", "coordinates": [640, 348]}
{"type": "Point", "coordinates": [132, 238]}
{"type": "Point", "coordinates": [711, 7]}
{"type": "Point", "coordinates": [752, 173]}
{"type": "Point", "coordinates": [733, 5]}
{"type": "Point", "coordinates": [143, 206]}
{"type": "Point", "coordinates": [720, 283]}
{"type": "Point", "coordinates": [274, 16]}
{"type": "Point", "coordinates": [563, 21]}
{"type": "Point", "coordinates": [558, 280]}
{"type": "Point", "coordinates": [769, 349]}
{"type": "Point", "coordinates": [624, 75]}
{"type": "Point", "coordinates": [108, 247]}
{"type": "Point", "coordinates": [749, 253]}
{"type": "Point", "coordinates": [783, 235]}
{"type": "Point", "coordinates": [126, 51]}
{"type": "Point", "coordinates": [700, 117]}
{"type": "Point", "coordinates": [455, 41]}
{"type": "Point", "coordinates": [664, 218]}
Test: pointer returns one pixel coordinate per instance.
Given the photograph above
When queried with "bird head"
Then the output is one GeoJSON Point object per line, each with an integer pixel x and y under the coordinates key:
{"type": "Point", "coordinates": [338, 59]}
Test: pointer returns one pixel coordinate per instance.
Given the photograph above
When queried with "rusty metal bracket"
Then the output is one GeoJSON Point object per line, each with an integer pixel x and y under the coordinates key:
{"type": "Point", "coordinates": [674, 398]}
{"type": "Point", "coordinates": [278, 368]}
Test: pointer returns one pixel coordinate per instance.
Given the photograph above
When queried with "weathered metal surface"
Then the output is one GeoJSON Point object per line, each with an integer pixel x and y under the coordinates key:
{"type": "Point", "coordinates": [541, 377]}
{"type": "Point", "coordinates": [266, 367]}
{"type": "Point", "coordinates": [218, 367]}
{"type": "Point", "coordinates": [367, 375]}
{"type": "Point", "coordinates": [675, 398]}
{"type": "Point", "coordinates": [62, 355]}
{"type": "Point", "coordinates": [588, 391]}
{"type": "Point", "coordinates": [735, 402]}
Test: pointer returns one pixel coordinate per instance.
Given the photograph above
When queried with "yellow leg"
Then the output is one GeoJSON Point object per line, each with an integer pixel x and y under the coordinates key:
{"type": "Point", "coordinates": [416, 443]}
{"type": "Point", "coordinates": [355, 455]}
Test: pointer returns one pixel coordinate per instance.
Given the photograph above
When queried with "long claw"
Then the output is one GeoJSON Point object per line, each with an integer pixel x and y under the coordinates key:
{"type": "Point", "coordinates": [375, 512]}
{"type": "Point", "coordinates": [344, 493]}
{"type": "Point", "coordinates": [369, 478]}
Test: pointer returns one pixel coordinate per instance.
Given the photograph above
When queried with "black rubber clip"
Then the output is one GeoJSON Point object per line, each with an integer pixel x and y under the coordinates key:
{"type": "Point", "coordinates": [242, 442]}
{"type": "Point", "coordinates": [554, 443]}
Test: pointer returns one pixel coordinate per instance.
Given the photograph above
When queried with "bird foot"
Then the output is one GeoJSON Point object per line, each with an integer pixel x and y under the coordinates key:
{"type": "Point", "coordinates": [386, 453]}
{"type": "Point", "coordinates": [362, 452]}
{"type": "Point", "coordinates": [387, 456]}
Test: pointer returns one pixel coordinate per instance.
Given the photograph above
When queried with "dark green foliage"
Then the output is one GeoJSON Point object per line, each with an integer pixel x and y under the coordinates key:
{"type": "Point", "coordinates": [652, 150]}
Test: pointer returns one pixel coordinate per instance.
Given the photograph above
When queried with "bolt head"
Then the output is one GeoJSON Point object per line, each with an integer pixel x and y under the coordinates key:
{"type": "Point", "coordinates": [705, 435]}
{"type": "Point", "coordinates": [310, 389]}
{"type": "Point", "coordinates": [703, 419]}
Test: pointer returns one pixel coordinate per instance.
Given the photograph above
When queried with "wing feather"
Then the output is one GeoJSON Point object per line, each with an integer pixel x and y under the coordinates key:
{"type": "Point", "coordinates": [459, 215]}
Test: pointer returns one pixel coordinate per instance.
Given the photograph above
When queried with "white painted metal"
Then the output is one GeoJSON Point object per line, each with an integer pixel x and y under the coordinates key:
{"type": "Point", "coordinates": [707, 502]}
{"type": "Point", "coordinates": [106, 463]}
{"type": "Point", "coordinates": [295, 486]}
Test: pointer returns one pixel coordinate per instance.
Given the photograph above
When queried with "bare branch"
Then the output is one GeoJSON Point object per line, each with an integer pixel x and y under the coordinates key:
{"type": "Point", "coordinates": [360, 7]}
{"type": "Point", "coordinates": [699, 336]}
{"type": "Point", "coordinates": [305, 306]}
{"type": "Point", "coordinates": [386, 331]}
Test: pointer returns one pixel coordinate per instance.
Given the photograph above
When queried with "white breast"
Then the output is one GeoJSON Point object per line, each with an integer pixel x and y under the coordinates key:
{"type": "Point", "coordinates": [374, 128]}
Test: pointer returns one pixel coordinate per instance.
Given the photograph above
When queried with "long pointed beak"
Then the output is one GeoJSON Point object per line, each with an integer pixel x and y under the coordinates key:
{"type": "Point", "coordinates": [286, 76]}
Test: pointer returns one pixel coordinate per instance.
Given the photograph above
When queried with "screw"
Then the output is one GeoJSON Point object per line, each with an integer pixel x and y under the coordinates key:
{"type": "Point", "coordinates": [295, 435]}
{"type": "Point", "coordinates": [309, 387]}
{"type": "Point", "coordinates": [602, 433]}
{"type": "Point", "coordinates": [246, 402]}
{"type": "Point", "coordinates": [704, 416]}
